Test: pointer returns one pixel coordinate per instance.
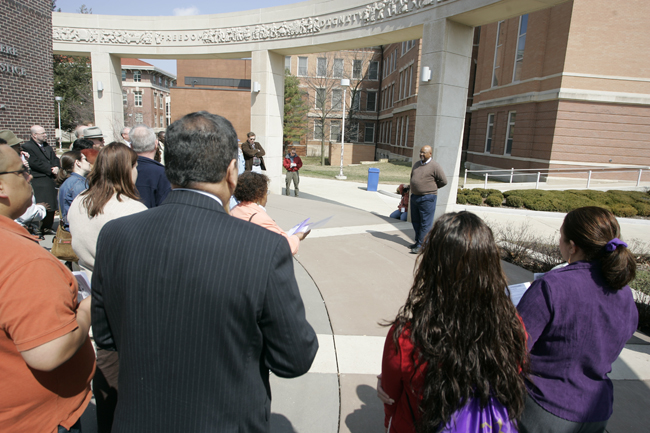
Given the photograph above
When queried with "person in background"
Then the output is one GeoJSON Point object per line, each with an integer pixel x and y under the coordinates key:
{"type": "Point", "coordinates": [95, 135]}
{"type": "Point", "coordinates": [427, 177]}
{"type": "Point", "coordinates": [292, 163]}
{"type": "Point", "coordinates": [252, 193]}
{"type": "Point", "coordinates": [111, 194]}
{"type": "Point", "coordinates": [46, 357]}
{"type": "Point", "coordinates": [160, 151]}
{"type": "Point", "coordinates": [44, 165]}
{"type": "Point", "coordinates": [152, 183]}
{"type": "Point", "coordinates": [403, 207]}
{"type": "Point", "coordinates": [91, 155]}
{"type": "Point", "coordinates": [81, 144]}
{"type": "Point", "coordinates": [72, 181]}
{"type": "Point", "coordinates": [79, 131]}
{"type": "Point", "coordinates": [253, 154]}
{"type": "Point", "coordinates": [454, 355]}
{"type": "Point", "coordinates": [125, 135]}
{"type": "Point", "coordinates": [578, 319]}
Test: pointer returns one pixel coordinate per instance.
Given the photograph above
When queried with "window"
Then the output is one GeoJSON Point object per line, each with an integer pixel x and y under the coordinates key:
{"type": "Point", "coordinates": [338, 68]}
{"type": "Point", "coordinates": [406, 133]}
{"type": "Point", "coordinates": [390, 132]}
{"type": "Point", "coordinates": [318, 129]}
{"type": "Point", "coordinates": [353, 132]}
{"type": "Point", "coordinates": [321, 67]}
{"type": "Point", "coordinates": [162, 122]}
{"type": "Point", "coordinates": [405, 73]}
{"type": "Point", "coordinates": [521, 44]}
{"type": "Point", "coordinates": [138, 98]}
{"type": "Point", "coordinates": [155, 100]}
{"type": "Point", "coordinates": [125, 101]}
{"type": "Point", "coordinates": [320, 98]}
{"type": "Point", "coordinates": [411, 80]}
{"type": "Point", "coordinates": [337, 99]}
{"type": "Point", "coordinates": [498, 54]}
{"type": "Point", "coordinates": [335, 131]}
{"type": "Point", "coordinates": [138, 118]}
{"type": "Point", "coordinates": [356, 69]}
{"type": "Point", "coordinates": [392, 94]}
{"type": "Point", "coordinates": [287, 63]}
{"type": "Point", "coordinates": [155, 121]}
{"type": "Point", "coordinates": [371, 101]}
{"type": "Point", "coordinates": [162, 102]}
{"type": "Point", "coordinates": [137, 76]}
{"type": "Point", "coordinates": [160, 81]}
{"type": "Point", "coordinates": [166, 83]}
{"type": "Point", "coordinates": [398, 128]}
{"type": "Point", "coordinates": [510, 133]}
{"type": "Point", "coordinates": [123, 74]}
{"type": "Point", "coordinates": [401, 77]}
{"type": "Point", "coordinates": [489, 134]}
{"type": "Point", "coordinates": [369, 135]}
{"type": "Point", "coordinates": [302, 66]}
{"type": "Point", "coordinates": [356, 98]}
{"type": "Point", "coordinates": [373, 70]}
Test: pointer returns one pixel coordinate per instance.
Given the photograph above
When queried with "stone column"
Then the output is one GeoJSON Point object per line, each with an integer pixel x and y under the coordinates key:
{"type": "Point", "coordinates": [442, 101]}
{"type": "Point", "coordinates": [267, 111]}
{"type": "Point", "coordinates": [109, 108]}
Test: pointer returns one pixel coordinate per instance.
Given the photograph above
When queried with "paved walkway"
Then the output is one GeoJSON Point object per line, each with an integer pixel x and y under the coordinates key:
{"type": "Point", "coordinates": [354, 274]}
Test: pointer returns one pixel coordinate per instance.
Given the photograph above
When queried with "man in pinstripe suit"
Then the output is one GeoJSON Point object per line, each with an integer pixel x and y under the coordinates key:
{"type": "Point", "coordinates": [199, 305]}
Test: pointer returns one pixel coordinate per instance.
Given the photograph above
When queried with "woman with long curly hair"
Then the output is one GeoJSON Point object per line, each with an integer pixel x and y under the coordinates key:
{"type": "Point", "coordinates": [454, 356]}
{"type": "Point", "coordinates": [111, 194]}
{"type": "Point", "coordinates": [578, 318]}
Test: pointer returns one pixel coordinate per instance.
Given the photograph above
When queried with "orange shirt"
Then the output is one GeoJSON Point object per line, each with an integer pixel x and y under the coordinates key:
{"type": "Point", "coordinates": [38, 301]}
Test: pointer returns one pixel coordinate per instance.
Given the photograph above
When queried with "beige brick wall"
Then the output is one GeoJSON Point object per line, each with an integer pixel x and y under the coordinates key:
{"type": "Point", "coordinates": [352, 153]}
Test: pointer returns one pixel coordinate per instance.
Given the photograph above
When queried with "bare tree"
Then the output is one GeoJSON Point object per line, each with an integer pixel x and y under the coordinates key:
{"type": "Point", "coordinates": [364, 69]}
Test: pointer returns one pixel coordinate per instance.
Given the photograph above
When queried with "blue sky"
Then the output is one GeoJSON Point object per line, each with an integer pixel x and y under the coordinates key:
{"type": "Point", "coordinates": [165, 8]}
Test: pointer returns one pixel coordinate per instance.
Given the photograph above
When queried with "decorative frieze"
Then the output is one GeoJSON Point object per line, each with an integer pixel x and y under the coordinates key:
{"type": "Point", "coordinates": [372, 13]}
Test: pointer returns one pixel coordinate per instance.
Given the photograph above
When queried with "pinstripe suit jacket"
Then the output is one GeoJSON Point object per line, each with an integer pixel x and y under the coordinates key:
{"type": "Point", "coordinates": [200, 306]}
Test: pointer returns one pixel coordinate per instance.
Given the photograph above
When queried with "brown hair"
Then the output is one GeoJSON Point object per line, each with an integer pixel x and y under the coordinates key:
{"type": "Point", "coordinates": [591, 228]}
{"type": "Point", "coordinates": [251, 187]}
{"type": "Point", "coordinates": [463, 324]}
{"type": "Point", "coordinates": [68, 161]}
{"type": "Point", "coordinates": [111, 174]}
{"type": "Point", "coordinates": [250, 134]}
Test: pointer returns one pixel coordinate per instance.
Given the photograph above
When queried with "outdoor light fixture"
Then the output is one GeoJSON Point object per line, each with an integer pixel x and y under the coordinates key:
{"type": "Point", "coordinates": [426, 74]}
{"type": "Point", "coordinates": [256, 87]}
{"type": "Point", "coordinates": [345, 83]}
{"type": "Point", "coordinates": [100, 86]}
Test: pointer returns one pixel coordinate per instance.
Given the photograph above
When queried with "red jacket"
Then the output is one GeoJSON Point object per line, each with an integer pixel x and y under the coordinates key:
{"type": "Point", "coordinates": [287, 163]}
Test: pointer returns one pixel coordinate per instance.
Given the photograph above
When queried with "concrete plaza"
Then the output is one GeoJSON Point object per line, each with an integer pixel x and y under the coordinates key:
{"type": "Point", "coordinates": [354, 274]}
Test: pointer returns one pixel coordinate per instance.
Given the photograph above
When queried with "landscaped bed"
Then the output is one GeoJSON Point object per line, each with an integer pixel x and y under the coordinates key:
{"type": "Point", "coordinates": [621, 203]}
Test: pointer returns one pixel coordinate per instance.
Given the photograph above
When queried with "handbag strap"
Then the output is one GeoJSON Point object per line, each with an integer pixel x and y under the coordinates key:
{"type": "Point", "coordinates": [249, 219]}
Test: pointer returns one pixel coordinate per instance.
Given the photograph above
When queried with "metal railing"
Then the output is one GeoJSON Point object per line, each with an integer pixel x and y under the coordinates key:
{"type": "Point", "coordinates": [511, 174]}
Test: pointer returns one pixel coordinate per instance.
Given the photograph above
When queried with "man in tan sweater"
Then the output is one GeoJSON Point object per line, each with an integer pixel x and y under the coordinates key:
{"type": "Point", "coordinates": [426, 177]}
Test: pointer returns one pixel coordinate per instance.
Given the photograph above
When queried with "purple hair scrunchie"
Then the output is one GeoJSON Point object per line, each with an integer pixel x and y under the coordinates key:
{"type": "Point", "coordinates": [613, 244]}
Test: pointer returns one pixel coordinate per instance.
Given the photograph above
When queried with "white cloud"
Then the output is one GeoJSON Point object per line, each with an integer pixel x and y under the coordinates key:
{"type": "Point", "coordinates": [181, 12]}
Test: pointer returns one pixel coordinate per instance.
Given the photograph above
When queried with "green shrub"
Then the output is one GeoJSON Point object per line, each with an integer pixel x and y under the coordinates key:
{"type": "Point", "coordinates": [494, 200]}
{"type": "Point", "coordinates": [642, 209]}
{"type": "Point", "coordinates": [514, 201]}
{"type": "Point", "coordinates": [642, 281]}
{"type": "Point", "coordinates": [475, 200]}
{"type": "Point", "coordinates": [461, 199]}
{"type": "Point", "coordinates": [623, 210]}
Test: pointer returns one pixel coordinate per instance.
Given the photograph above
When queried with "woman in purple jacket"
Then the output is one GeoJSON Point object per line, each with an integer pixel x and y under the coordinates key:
{"type": "Point", "coordinates": [578, 318]}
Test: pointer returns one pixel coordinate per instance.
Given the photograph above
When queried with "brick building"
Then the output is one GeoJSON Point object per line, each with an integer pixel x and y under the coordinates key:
{"type": "Point", "coordinates": [320, 76]}
{"type": "Point", "coordinates": [146, 94]}
{"type": "Point", "coordinates": [398, 100]}
{"type": "Point", "coordinates": [26, 77]}
{"type": "Point", "coordinates": [220, 86]}
{"type": "Point", "coordinates": [562, 87]}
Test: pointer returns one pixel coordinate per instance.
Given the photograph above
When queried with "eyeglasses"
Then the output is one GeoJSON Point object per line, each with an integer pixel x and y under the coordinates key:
{"type": "Point", "coordinates": [24, 171]}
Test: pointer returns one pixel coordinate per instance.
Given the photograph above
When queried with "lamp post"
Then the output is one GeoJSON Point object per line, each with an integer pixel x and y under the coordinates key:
{"type": "Point", "coordinates": [58, 100]}
{"type": "Point", "coordinates": [345, 83]}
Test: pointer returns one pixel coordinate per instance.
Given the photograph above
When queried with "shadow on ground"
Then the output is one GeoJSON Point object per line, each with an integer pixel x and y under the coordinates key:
{"type": "Point", "coordinates": [370, 412]}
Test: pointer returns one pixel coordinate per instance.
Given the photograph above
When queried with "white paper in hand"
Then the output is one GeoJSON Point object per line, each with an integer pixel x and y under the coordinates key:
{"type": "Point", "coordinates": [84, 284]}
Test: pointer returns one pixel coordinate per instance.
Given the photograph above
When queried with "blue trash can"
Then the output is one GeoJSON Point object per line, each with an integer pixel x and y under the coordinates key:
{"type": "Point", "coordinates": [373, 179]}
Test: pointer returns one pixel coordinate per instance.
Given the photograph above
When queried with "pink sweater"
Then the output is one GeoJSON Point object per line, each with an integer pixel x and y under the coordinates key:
{"type": "Point", "coordinates": [254, 213]}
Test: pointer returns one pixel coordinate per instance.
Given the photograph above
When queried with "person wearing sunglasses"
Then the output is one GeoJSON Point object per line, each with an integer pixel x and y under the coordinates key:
{"type": "Point", "coordinates": [253, 154]}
